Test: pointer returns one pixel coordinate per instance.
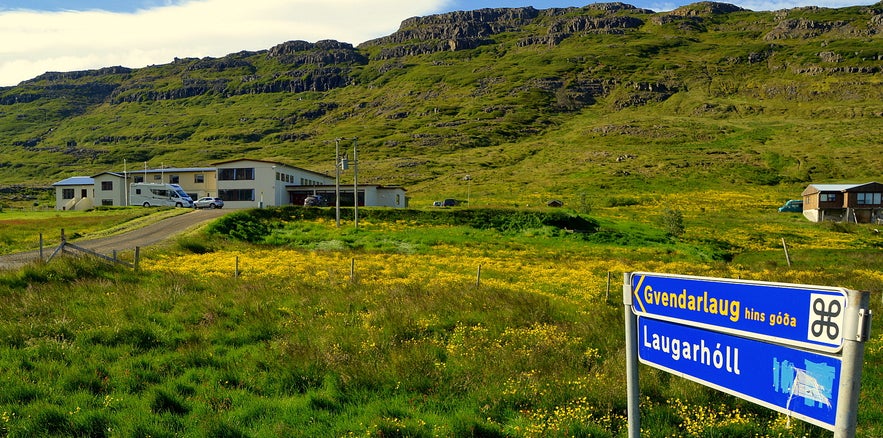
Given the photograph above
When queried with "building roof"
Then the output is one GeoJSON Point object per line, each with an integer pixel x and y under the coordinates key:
{"type": "Point", "coordinates": [276, 163]}
{"type": "Point", "coordinates": [76, 181]}
{"type": "Point", "coordinates": [118, 175]}
{"type": "Point", "coordinates": [295, 187]}
{"type": "Point", "coordinates": [170, 170]}
{"type": "Point", "coordinates": [817, 188]}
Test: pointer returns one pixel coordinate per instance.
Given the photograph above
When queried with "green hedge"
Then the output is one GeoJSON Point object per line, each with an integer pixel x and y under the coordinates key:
{"type": "Point", "coordinates": [254, 225]}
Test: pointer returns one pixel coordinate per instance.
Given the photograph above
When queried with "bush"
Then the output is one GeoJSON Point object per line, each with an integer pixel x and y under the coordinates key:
{"type": "Point", "coordinates": [672, 222]}
{"type": "Point", "coordinates": [621, 201]}
{"type": "Point", "coordinates": [241, 225]}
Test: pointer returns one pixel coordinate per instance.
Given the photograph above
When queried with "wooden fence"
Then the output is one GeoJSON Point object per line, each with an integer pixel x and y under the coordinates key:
{"type": "Point", "coordinates": [70, 248]}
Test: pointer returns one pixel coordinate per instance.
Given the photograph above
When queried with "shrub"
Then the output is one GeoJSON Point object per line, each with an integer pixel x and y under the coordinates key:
{"type": "Point", "coordinates": [621, 201]}
{"type": "Point", "coordinates": [241, 225]}
{"type": "Point", "coordinates": [672, 222]}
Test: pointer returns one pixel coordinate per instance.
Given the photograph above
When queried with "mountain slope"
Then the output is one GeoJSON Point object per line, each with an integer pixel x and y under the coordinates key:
{"type": "Point", "coordinates": [558, 101]}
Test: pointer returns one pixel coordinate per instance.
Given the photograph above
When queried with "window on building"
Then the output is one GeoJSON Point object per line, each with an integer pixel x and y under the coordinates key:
{"type": "Point", "coordinates": [157, 177]}
{"type": "Point", "coordinates": [238, 174]}
{"type": "Point", "coordinates": [868, 198]}
{"type": "Point", "coordinates": [139, 179]}
{"type": "Point", "coordinates": [67, 193]}
{"type": "Point", "coordinates": [828, 197]}
{"type": "Point", "coordinates": [174, 179]}
{"type": "Point", "coordinates": [236, 194]}
{"type": "Point", "coordinates": [198, 178]}
{"type": "Point", "coordinates": [106, 185]}
{"type": "Point", "coordinates": [107, 202]}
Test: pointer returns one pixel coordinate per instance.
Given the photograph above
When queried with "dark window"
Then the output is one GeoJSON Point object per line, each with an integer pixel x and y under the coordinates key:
{"type": "Point", "coordinates": [236, 174]}
{"type": "Point", "coordinates": [868, 198]}
{"type": "Point", "coordinates": [199, 178]}
{"type": "Point", "coordinates": [107, 202]}
{"type": "Point", "coordinates": [139, 179]}
{"type": "Point", "coordinates": [236, 195]}
{"type": "Point", "coordinates": [67, 193]}
{"type": "Point", "coordinates": [157, 177]}
{"type": "Point", "coordinates": [174, 179]}
{"type": "Point", "coordinates": [106, 185]}
{"type": "Point", "coordinates": [828, 197]}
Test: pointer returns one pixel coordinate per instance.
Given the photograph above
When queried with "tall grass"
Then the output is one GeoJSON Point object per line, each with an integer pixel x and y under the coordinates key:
{"type": "Point", "coordinates": [403, 348]}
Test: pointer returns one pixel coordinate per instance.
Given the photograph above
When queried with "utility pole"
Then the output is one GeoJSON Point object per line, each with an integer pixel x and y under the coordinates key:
{"type": "Point", "coordinates": [126, 181]}
{"type": "Point", "coordinates": [355, 183]}
{"type": "Point", "coordinates": [337, 181]}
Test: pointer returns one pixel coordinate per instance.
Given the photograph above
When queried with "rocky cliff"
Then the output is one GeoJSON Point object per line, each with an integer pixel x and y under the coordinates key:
{"type": "Point", "coordinates": [453, 81]}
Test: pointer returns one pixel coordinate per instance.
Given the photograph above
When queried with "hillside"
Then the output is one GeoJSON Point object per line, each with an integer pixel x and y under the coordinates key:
{"type": "Point", "coordinates": [555, 102]}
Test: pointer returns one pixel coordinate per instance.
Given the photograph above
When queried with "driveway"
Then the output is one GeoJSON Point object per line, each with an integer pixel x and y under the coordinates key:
{"type": "Point", "coordinates": [141, 237]}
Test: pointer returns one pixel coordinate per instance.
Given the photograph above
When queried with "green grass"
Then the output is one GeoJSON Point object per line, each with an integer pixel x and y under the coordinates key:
{"type": "Point", "coordinates": [91, 349]}
{"type": "Point", "coordinates": [307, 359]}
{"type": "Point", "coordinates": [20, 230]}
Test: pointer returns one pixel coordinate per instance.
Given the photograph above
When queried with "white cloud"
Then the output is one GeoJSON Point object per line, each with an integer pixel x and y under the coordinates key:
{"type": "Point", "coordinates": [36, 42]}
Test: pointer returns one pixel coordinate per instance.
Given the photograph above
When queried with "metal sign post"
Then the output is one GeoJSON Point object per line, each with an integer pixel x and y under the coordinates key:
{"type": "Point", "coordinates": [631, 363]}
{"type": "Point", "coordinates": [806, 343]}
{"type": "Point", "coordinates": [857, 331]}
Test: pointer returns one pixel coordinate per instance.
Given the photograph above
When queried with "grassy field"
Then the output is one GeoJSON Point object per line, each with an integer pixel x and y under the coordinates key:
{"type": "Point", "coordinates": [20, 229]}
{"type": "Point", "coordinates": [453, 322]}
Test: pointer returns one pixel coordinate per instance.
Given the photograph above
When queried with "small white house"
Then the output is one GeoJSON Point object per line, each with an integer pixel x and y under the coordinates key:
{"type": "Point", "coordinates": [74, 193]}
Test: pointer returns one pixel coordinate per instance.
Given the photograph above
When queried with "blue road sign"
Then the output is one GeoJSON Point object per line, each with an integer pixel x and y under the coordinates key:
{"type": "Point", "coordinates": [796, 382]}
{"type": "Point", "coordinates": [804, 316]}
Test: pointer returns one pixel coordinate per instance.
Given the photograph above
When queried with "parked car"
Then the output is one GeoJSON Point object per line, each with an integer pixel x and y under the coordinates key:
{"type": "Point", "coordinates": [792, 206]}
{"type": "Point", "coordinates": [315, 201]}
{"type": "Point", "coordinates": [209, 202]}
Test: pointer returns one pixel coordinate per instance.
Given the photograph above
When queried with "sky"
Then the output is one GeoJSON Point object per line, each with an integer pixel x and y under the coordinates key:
{"type": "Point", "coordinates": [39, 36]}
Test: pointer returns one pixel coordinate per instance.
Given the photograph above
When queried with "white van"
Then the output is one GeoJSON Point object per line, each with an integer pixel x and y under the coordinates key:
{"type": "Point", "coordinates": [157, 194]}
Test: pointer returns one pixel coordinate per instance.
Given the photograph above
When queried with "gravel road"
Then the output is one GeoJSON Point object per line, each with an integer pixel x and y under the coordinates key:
{"type": "Point", "coordinates": [142, 237]}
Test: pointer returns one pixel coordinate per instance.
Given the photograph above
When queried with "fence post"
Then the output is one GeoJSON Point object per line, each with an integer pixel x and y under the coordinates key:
{"type": "Point", "coordinates": [478, 277]}
{"type": "Point", "coordinates": [137, 262]}
{"type": "Point", "coordinates": [787, 257]}
{"type": "Point", "coordinates": [607, 296]}
{"type": "Point", "coordinates": [236, 270]}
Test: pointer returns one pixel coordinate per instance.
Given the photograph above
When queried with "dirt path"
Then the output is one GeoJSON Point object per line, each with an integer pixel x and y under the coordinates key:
{"type": "Point", "coordinates": [142, 237]}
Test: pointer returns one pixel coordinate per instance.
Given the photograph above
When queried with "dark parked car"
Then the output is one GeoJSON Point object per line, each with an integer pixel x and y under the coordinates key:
{"type": "Point", "coordinates": [209, 202]}
{"type": "Point", "coordinates": [315, 201]}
